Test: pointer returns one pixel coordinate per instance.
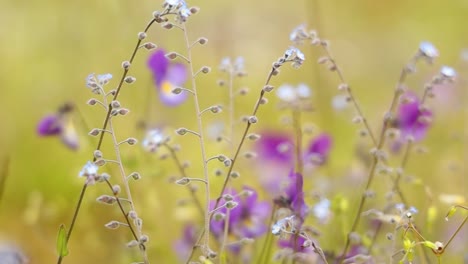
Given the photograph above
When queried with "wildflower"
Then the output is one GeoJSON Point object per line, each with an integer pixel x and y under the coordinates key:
{"type": "Point", "coordinates": [319, 148]}
{"type": "Point", "coordinates": [95, 83]}
{"type": "Point", "coordinates": [276, 147]}
{"type": "Point", "coordinates": [153, 139]}
{"type": "Point", "coordinates": [428, 50]}
{"type": "Point", "coordinates": [167, 76]}
{"type": "Point", "coordinates": [246, 220]}
{"type": "Point", "coordinates": [60, 124]}
{"type": "Point", "coordinates": [321, 210]}
{"type": "Point", "coordinates": [184, 245]}
{"type": "Point", "coordinates": [12, 255]}
{"type": "Point", "coordinates": [295, 56]}
{"type": "Point", "coordinates": [411, 119]}
{"type": "Point", "coordinates": [448, 72]}
{"type": "Point", "coordinates": [293, 196]}
{"type": "Point", "coordinates": [89, 171]}
{"type": "Point", "coordinates": [299, 34]}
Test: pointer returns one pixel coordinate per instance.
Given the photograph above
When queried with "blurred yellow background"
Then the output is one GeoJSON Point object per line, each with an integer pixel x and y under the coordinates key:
{"type": "Point", "coordinates": [48, 48]}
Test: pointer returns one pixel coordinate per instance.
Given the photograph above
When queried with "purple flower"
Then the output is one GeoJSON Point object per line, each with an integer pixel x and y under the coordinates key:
{"type": "Point", "coordinates": [246, 220]}
{"type": "Point", "coordinates": [184, 245]}
{"type": "Point", "coordinates": [276, 147]}
{"type": "Point", "coordinates": [294, 195]}
{"type": "Point", "coordinates": [60, 124]}
{"type": "Point", "coordinates": [167, 76]}
{"type": "Point", "coordinates": [295, 243]}
{"type": "Point", "coordinates": [319, 148]}
{"type": "Point", "coordinates": [412, 121]}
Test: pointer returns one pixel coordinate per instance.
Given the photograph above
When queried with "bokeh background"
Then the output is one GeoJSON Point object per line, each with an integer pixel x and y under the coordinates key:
{"type": "Point", "coordinates": [48, 48]}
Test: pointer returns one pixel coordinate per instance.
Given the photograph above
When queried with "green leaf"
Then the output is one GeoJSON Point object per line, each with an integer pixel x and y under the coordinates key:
{"type": "Point", "coordinates": [62, 249]}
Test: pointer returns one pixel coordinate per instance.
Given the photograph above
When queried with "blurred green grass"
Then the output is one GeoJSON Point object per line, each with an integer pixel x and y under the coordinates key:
{"type": "Point", "coordinates": [49, 47]}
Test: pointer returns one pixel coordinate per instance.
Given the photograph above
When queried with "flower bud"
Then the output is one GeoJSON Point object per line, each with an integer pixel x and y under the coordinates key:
{"type": "Point", "coordinates": [268, 88]}
{"type": "Point", "coordinates": [141, 35]}
{"type": "Point", "coordinates": [252, 119]}
{"type": "Point", "coordinates": [181, 131]}
{"type": "Point", "coordinates": [205, 69]}
{"type": "Point", "coordinates": [126, 65]}
{"type": "Point", "coordinates": [112, 225]}
{"type": "Point", "coordinates": [115, 104]}
{"type": "Point", "coordinates": [130, 79]}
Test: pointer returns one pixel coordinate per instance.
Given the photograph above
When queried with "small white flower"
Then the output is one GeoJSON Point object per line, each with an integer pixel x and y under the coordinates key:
{"type": "Point", "coordinates": [339, 102]}
{"type": "Point", "coordinates": [154, 138]}
{"type": "Point", "coordinates": [286, 92]}
{"type": "Point", "coordinates": [184, 13]}
{"type": "Point", "coordinates": [448, 72]}
{"type": "Point", "coordinates": [322, 209]}
{"type": "Point", "coordinates": [303, 91]}
{"type": "Point", "coordinates": [299, 34]}
{"type": "Point", "coordinates": [172, 2]}
{"type": "Point", "coordinates": [239, 64]}
{"type": "Point", "coordinates": [428, 49]}
{"type": "Point", "coordinates": [104, 78]}
{"type": "Point", "coordinates": [89, 169]}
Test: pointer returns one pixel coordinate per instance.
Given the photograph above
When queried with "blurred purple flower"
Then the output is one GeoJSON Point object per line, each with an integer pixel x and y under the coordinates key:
{"type": "Point", "coordinates": [294, 195]}
{"type": "Point", "coordinates": [246, 220]}
{"type": "Point", "coordinates": [411, 119]}
{"type": "Point", "coordinates": [295, 243]}
{"type": "Point", "coordinates": [184, 245]}
{"type": "Point", "coordinates": [60, 124]}
{"type": "Point", "coordinates": [167, 76]}
{"type": "Point", "coordinates": [278, 147]}
{"type": "Point", "coordinates": [319, 148]}
{"type": "Point", "coordinates": [275, 146]}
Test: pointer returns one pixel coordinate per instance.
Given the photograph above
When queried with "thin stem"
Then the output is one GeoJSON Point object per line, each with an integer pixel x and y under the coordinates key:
{"type": "Point", "coordinates": [386, 123]}
{"type": "Point", "coordinates": [184, 175]}
{"type": "Point", "coordinates": [455, 233]}
{"type": "Point", "coordinates": [225, 233]}
{"type": "Point", "coordinates": [264, 253]}
{"type": "Point", "coordinates": [226, 179]}
{"type": "Point", "coordinates": [231, 110]}
{"type": "Point", "coordinates": [350, 94]}
{"type": "Point", "coordinates": [202, 143]}
{"type": "Point", "coordinates": [298, 133]}
{"type": "Point", "coordinates": [126, 185]}
{"type": "Point", "coordinates": [101, 138]}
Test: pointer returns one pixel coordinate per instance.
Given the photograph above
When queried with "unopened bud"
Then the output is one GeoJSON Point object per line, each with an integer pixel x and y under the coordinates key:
{"type": "Point", "coordinates": [268, 88]}
{"type": "Point", "coordinates": [132, 141]}
{"type": "Point", "coordinates": [112, 225]}
{"type": "Point", "coordinates": [181, 131]}
{"type": "Point", "coordinates": [116, 189]}
{"type": "Point", "coordinates": [132, 243]}
{"type": "Point", "coordinates": [100, 162]}
{"type": "Point", "coordinates": [176, 90]}
{"type": "Point", "coordinates": [227, 163]}
{"type": "Point", "coordinates": [149, 45]}
{"type": "Point", "coordinates": [126, 65]}
{"type": "Point", "coordinates": [130, 79]}
{"type": "Point", "coordinates": [171, 55]}
{"type": "Point", "coordinates": [141, 35]}
{"type": "Point", "coordinates": [106, 199]}
{"type": "Point", "coordinates": [231, 204]}
{"type": "Point", "coordinates": [168, 25]}
{"type": "Point", "coordinates": [135, 175]}
{"type": "Point", "coordinates": [252, 119]}
{"type": "Point", "coordinates": [234, 174]}
{"type": "Point", "coordinates": [253, 136]}
{"type": "Point", "coordinates": [92, 101]}
{"type": "Point", "coordinates": [183, 181]}
{"type": "Point", "coordinates": [94, 132]}
{"type": "Point", "coordinates": [202, 41]}
{"type": "Point", "coordinates": [123, 111]}
{"type": "Point", "coordinates": [97, 154]}
{"type": "Point", "coordinates": [215, 109]}
{"type": "Point", "coordinates": [115, 104]}
{"type": "Point", "coordinates": [205, 69]}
